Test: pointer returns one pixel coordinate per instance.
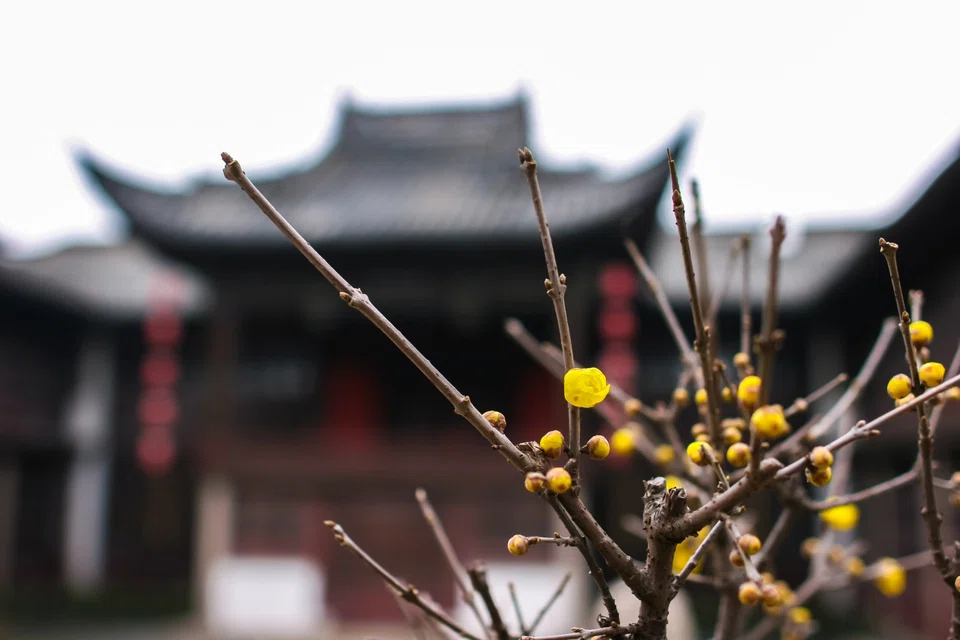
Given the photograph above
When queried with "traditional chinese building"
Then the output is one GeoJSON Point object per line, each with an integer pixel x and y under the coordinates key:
{"type": "Point", "coordinates": [294, 409]}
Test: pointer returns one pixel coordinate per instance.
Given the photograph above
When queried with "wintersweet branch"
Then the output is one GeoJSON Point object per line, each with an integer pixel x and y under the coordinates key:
{"type": "Point", "coordinates": [588, 634]}
{"type": "Point", "coordinates": [443, 540]}
{"type": "Point", "coordinates": [408, 592]}
{"type": "Point", "coordinates": [767, 341]}
{"type": "Point", "coordinates": [359, 301]}
{"type": "Point", "coordinates": [702, 344]}
{"type": "Point", "coordinates": [697, 556]}
{"type": "Point", "coordinates": [478, 578]}
{"type": "Point", "coordinates": [556, 289]}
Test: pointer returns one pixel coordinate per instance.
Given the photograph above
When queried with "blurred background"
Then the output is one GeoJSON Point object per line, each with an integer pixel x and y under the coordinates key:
{"type": "Point", "coordinates": [184, 401]}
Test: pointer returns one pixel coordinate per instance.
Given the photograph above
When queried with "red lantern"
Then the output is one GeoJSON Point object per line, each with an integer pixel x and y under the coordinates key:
{"type": "Point", "coordinates": [157, 406]}
{"type": "Point", "coordinates": [159, 369]}
{"type": "Point", "coordinates": [155, 450]}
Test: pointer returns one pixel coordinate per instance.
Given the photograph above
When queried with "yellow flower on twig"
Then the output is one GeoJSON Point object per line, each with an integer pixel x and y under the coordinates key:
{"type": "Point", "coordinates": [891, 577]}
{"type": "Point", "coordinates": [842, 518]}
{"type": "Point", "coordinates": [585, 388]}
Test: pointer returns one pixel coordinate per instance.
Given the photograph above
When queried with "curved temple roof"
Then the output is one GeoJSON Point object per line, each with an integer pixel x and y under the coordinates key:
{"type": "Point", "coordinates": [396, 177]}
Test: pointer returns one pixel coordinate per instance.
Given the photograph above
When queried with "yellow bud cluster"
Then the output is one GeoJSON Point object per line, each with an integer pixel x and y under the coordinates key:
{"type": "Point", "coordinates": [750, 544]}
{"type": "Point", "coordinates": [819, 477]}
{"type": "Point", "coordinates": [748, 392]}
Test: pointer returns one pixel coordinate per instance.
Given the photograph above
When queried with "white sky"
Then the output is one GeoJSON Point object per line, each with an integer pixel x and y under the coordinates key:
{"type": "Point", "coordinates": [830, 109]}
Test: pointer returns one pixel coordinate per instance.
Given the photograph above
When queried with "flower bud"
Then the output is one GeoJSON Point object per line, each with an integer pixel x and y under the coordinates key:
{"type": "Point", "coordinates": [904, 400]}
{"type": "Point", "coordinates": [700, 397]}
{"type": "Point", "coordinates": [854, 566]}
{"type": "Point", "coordinates": [952, 394]}
{"type": "Point", "coordinates": [956, 583]}
{"type": "Point", "coordinates": [632, 407]}
{"type": "Point", "coordinates": [931, 373]}
{"type": "Point", "coordinates": [800, 615]}
{"type": "Point", "coordinates": [552, 444]}
{"type": "Point", "coordinates": [821, 457]}
{"type": "Point", "coordinates": [891, 578]}
{"type": "Point", "coordinates": [726, 394]}
{"type": "Point", "coordinates": [517, 545]}
{"type": "Point", "coordinates": [681, 397]}
{"type": "Point", "coordinates": [748, 392]}
{"type": "Point", "coordinates": [698, 429]}
{"type": "Point", "coordinates": [899, 386]}
{"type": "Point", "coordinates": [741, 360]}
{"type": "Point", "coordinates": [819, 477]}
{"type": "Point", "coordinates": [738, 454]}
{"type": "Point", "coordinates": [921, 333]}
{"type": "Point", "coordinates": [809, 547]}
{"type": "Point", "coordinates": [535, 482]}
{"type": "Point", "coordinates": [598, 448]}
{"type": "Point", "coordinates": [559, 480]}
{"type": "Point", "coordinates": [622, 441]}
{"type": "Point", "coordinates": [736, 559]}
{"type": "Point", "coordinates": [749, 543]}
{"type": "Point", "coordinates": [771, 595]}
{"type": "Point", "coordinates": [697, 452]}
{"type": "Point", "coordinates": [736, 423]}
{"type": "Point", "coordinates": [664, 454]}
{"type": "Point", "coordinates": [731, 435]}
{"type": "Point", "coordinates": [496, 419]}
{"type": "Point", "coordinates": [749, 594]}
{"type": "Point", "coordinates": [769, 422]}
{"type": "Point", "coordinates": [842, 518]}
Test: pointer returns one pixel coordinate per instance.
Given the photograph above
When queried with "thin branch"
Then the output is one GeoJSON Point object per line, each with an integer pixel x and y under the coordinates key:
{"type": "Point", "coordinates": [702, 343]}
{"type": "Point", "coordinates": [908, 477]}
{"type": "Point", "coordinates": [868, 429]}
{"type": "Point", "coordinates": [408, 592]}
{"type": "Point", "coordinates": [776, 536]}
{"type": "Point", "coordinates": [359, 301]}
{"type": "Point", "coordinates": [516, 608]}
{"type": "Point", "coordinates": [736, 248]}
{"type": "Point", "coordinates": [549, 603]}
{"type": "Point", "coordinates": [746, 308]}
{"type": "Point", "coordinates": [802, 404]}
{"type": "Point", "coordinates": [556, 289]}
{"type": "Point", "coordinates": [916, 304]}
{"type": "Point", "coordinates": [606, 546]}
{"type": "Point", "coordinates": [697, 556]}
{"type": "Point", "coordinates": [588, 634]}
{"type": "Point", "coordinates": [478, 578]}
{"type": "Point", "coordinates": [930, 514]}
{"type": "Point", "coordinates": [887, 331]}
{"type": "Point", "coordinates": [767, 342]}
{"type": "Point", "coordinates": [557, 539]}
{"type": "Point", "coordinates": [456, 567]}
{"type": "Point", "coordinates": [700, 247]}
{"type": "Point", "coordinates": [653, 284]}
{"type": "Point", "coordinates": [735, 535]}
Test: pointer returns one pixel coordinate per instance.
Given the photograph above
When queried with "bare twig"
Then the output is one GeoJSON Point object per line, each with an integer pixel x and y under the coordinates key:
{"type": "Point", "coordinates": [549, 603]}
{"type": "Point", "coordinates": [930, 514]}
{"type": "Point", "coordinates": [697, 556]}
{"type": "Point", "coordinates": [653, 284]}
{"type": "Point", "coordinates": [700, 247]}
{"type": "Point", "coordinates": [524, 630]}
{"type": "Point", "coordinates": [478, 578]}
{"type": "Point", "coordinates": [887, 331]}
{"type": "Point", "coordinates": [746, 308]}
{"type": "Point", "coordinates": [735, 536]}
{"type": "Point", "coordinates": [776, 536]}
{"type": "Point", "coordinates": [587, 634]}
{"type": "Point", "coordinates": [556, 289]}
{"type": "Point", "coordinates": [702, 343]}
{"type": "Point", "coordinates": [767, 342]}
{"type": "Point", "coordinates": [359, 301]}
{"type": "Point", "coordinates": [736, 248]}
{"type": "Point", "coordinates": [456, 567]}
{"type": "Point", "coordinates": [802, 404]}
{"type": "Point", "coordinates": [408, 592]}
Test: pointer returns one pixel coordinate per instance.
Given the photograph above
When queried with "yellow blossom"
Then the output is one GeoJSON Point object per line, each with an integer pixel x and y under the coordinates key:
{"type": "Point", "coordinates": [821, 457]}
{"type": "Point", "coordinates": [741, 360]}
{"type": "Point", "coordinates": [681, 397]}
{"type": "Point", "coordinates": [731, 435]}
{"type": "Point", "coordinates": [673, 482]}
{"type": "Point", "coordinates": [739, 454]}
{"type": "Point", "coordinates": [800, 615]}
{"type": "Point", "coordinates": [700, 397]}
{"type": "Point", "coordinates": [819, 477]}
{"type": "Point", "coordinates": [891, 577]}
{"type": "Point", "coordinates": [842, 518]}
{"type": "Point", "coordinates": [622, 441]}
{"type": "Point", "coordinates": [517, 545]}
{"type": "Point", "coordinates": [535, 482]}
{"type": "Point", "coordinates": [585, 388]}
{"type": "Point", "coordinates": [749, 594]}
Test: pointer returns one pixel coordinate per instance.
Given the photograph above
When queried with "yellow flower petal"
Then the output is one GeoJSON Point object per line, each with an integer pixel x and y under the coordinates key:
{"type": "Point", "coordinates": [585, 388]}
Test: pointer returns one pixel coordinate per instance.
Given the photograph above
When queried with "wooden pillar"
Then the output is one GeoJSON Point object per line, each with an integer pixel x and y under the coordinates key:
{"type": "Point", "coordinates": [9, 486]}
{"type": "Point", "coordinates": [215, 493]}
{"type": "Point", "coordinates": [88, 428]}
